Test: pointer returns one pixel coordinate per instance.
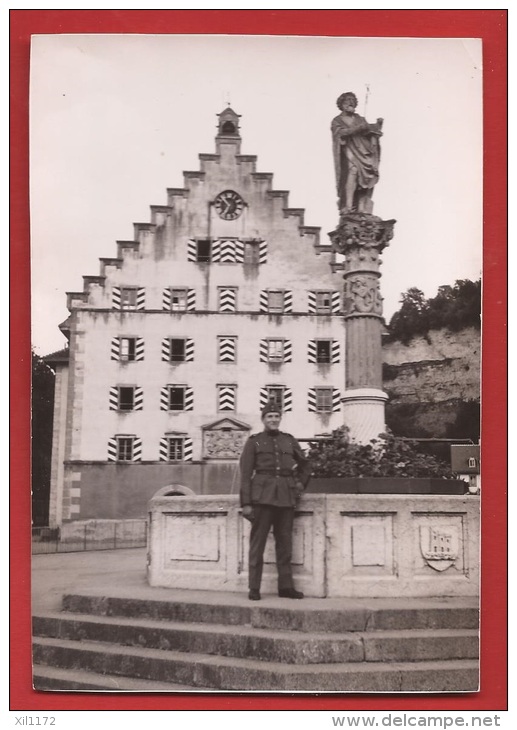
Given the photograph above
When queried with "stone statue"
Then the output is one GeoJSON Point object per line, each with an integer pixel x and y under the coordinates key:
{"type": "Point", "coordinates": [357, 150]}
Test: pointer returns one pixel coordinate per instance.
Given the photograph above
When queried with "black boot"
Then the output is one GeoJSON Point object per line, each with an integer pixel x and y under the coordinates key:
{"type": "Point", "coordinates": [254, 594]}
{"type": "Point", "coordinates": [289, 593]}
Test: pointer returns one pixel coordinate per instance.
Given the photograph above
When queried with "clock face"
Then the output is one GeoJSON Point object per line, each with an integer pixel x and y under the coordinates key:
{"type": "Point", "coordinates": [229, 205]}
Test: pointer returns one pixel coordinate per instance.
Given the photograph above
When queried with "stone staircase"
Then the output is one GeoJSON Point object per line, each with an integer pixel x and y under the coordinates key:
{"type": "Point", "coordinates": [191, 645]}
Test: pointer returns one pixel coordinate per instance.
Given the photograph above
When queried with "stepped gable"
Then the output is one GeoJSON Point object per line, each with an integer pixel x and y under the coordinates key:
{"type": "Point", "coordinates": [148, 236]}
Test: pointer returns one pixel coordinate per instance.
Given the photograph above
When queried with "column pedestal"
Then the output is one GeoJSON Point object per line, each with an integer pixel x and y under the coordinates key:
{"type": "Point", "coordinates": [363, 413]}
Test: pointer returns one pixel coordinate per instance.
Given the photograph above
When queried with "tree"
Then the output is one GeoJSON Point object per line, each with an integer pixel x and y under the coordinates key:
{"type": "Point", "coordinates": [453, 307]}
{"type": "Point", "coordinates": [387, 456]}
{"type": "Point", "coordinates": [43, 382]}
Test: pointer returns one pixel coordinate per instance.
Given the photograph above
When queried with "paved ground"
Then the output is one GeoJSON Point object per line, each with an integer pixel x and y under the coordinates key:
{"type": "Point", "coordinates": [123, 573]}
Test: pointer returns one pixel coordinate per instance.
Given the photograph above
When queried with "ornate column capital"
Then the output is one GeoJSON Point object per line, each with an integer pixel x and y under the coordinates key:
{"type": "Point", "coordinates": [359, 231]}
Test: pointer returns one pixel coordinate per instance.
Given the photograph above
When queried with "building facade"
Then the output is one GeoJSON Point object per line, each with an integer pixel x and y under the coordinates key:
{"type": "Point", "coordinates": [223, 301]}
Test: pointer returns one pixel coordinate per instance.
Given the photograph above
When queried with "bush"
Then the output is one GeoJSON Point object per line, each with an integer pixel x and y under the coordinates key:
{"type": "Point", "coordinates": [387, 456]}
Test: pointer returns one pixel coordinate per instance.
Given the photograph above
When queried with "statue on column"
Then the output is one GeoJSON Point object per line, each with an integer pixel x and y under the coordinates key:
{"type": "Point", "coordinates": [356, 147]}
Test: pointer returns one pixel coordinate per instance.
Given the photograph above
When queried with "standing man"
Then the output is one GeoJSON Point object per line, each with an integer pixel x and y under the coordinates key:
{"type": "Point", "coordinates": [274, 474]}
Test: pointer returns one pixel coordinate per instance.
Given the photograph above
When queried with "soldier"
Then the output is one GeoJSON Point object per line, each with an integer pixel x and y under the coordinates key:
{"type": "Point", "coordinates": [274, 474]}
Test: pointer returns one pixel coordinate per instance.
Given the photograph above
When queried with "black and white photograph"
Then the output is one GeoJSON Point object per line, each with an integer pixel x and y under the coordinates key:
{"type": "Point", "coordinates": [256, 347]}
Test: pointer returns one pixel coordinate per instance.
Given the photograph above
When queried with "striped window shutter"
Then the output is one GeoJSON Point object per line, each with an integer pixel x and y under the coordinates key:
{"type": "Point", "coordinates": [227, 300]}
{"type": "Point", "coordinates": [191, 300]}
{"type": "Point", "coordinates": [335, 351]}
{"type": "Point", "coordinates": [311, 400]}
{"type": "Point", "coordinates": [189, 350]}
{"type": "Point", "coordinates": [139, 349]}
{"type": "Point", "coordinates": [227, 349]}
{"type": "Point", "coordinates": [263, 353]}
{"type": "Point", "coordinates": [312, 303]}
{"type": "Point", "coordinates": [288, 351]}
{"type": "Point", "coordinates": [116, 297]}
{"type": "Point", "coordinates": [189, 398]}
{"type": "Point", "coordinates": [112, 449]}
{"type": "Point", "coordinates": [216, 250]}
{"type": "Point", "coordinates": [139, 399]}
{"type": "Point", "coordinates": [336, 302]}
{"type": "Point", "coordinates": [288, 400]}
{"type": "Point", "coordinates": [137, 449]}
{"type": "Point", "coordinates": [164, 398]}
{"type": "Point", "coordinates": [312, 351]}
{"type": "Point", "coordinates": [336, 400]}
{"type": "Point", "coordinates": [239, 252]}
{"type": "Point", "coordinates": [115, 348]}
{"type": "Point", "coordinates": [263, 306]}
{"type": "Point", "coordinates": [140, 298]}
{"type": "Point", "coordinates": [166, 349]}
{"type": "Point", "coordinates": [187, 449]}
{"type": "Point", "coordinates": [113, 398]}
{"type": "Point", "coordinates": [166, 299]}
{"type": "Point", "coordinates": [263, 252]}
{"type": "Point", "coordinates": [226, 398]}
{"type": "Point", "coordinates": [191, 250]}
{"type": "Point", "coordinates": [288, 301]}
{"type": "Point", "coordinates": [227, 255]}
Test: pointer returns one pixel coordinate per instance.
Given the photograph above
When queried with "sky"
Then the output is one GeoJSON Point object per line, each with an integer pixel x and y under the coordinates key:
{"type": "Point", "coordinates": [115, 119]}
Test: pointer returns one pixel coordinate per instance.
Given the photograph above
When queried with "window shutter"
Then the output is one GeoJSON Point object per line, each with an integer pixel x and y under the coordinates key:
{"type": "Point", "coordinates": [227, 255]}
{"type": "Point", "coordinates": [336, 302]}
{"type": "Point", "coordinates": [166, 299]}
{"type": "Point", "coordinates": [113, 398]}
{"type": "Point", "coordinates": [288, 351]}
{"type": "Point", "coordinates": [187, 449]}
{"type": "Point", "coordinates": [164, 398]}
{"type": "Point", "coordinates": [227, 349]}
{"type": "Point", "coordinates": [139, 351]}
{"type": "Point", "coordinates": [227, 300]}
{"type": "Point", "coordinates": [191, 300]}
{"type": "Point", "coordinates": [112, 449]}
{"type": "Point", "coordinates": [189, 350]}
{"type": "Point", "coordinates": [263, 252]}
{"type": "Point", "coordinates": [264, 299]}
{"type": "Point", "coordinates": [227, 398]}
{"type": "Point", "coordinates": [312, 302]}
{"type": "Point", "coordinates": [263, 397]}
{"type": "Point", "coordinates": [166, 349]}
{"type": "Point", "coordinates": [140, 298]}
{"type": "Point", "coordinates": [288, 400]}
{"type": "Point", "coordinates": [288, 301]}
{"type": "Point", "coordinates": [335, 351]}
{"type": "Point", "coordinates": [191, 250]}
{"type": "Point", "coordinates": [137, 449]}
{"type": "Point", "coordinates": [139, 399]}
{"type": "Point", "coordinates": [189, 399]}
{"type": "Point", "coordinates": [336, 400]}
{"type": "Point", "coordinates": [116, 297]}
{"type": "Point", "coordinates": [311, 396]}
{"type": "Point", "coordinates": [312, 351]}
{"type": "Point", "coordinates": [239, 252]}
{"type": "Point", "coordinates": [115, 348]}
{"type": "Point", "coordinates": [164, 449]}
{"type": "Point", "coordinates": [263, 351]}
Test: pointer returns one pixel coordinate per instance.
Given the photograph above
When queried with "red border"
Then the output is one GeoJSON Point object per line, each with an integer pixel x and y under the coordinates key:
{"type": "Point", "coordinates": [491, 26]}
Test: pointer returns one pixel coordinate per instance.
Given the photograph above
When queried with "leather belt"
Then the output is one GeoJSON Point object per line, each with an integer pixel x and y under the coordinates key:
{"type": "Point", "coordinates": [273, 473]}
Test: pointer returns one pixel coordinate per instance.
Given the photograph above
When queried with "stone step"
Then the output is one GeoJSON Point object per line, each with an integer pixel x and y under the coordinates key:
{"type": "Point", "coordinates": [292, 647]}
{"type": "Point", "coordinates": [233, 674]}
{"type": "Point", "coordinates": [52, 678]}
{"type": "Point", "coordinates": [310, 615]}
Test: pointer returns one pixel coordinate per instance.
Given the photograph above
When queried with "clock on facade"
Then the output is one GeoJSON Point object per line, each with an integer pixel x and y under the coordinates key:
{"type": "Point", "coordinates": [229, 205]}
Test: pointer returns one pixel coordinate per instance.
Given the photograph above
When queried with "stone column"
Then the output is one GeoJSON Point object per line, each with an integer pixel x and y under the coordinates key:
{"type": "Point", "coordinates": [361, 237]}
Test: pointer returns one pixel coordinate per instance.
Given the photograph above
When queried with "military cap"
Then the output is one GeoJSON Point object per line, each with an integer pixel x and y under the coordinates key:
{"type": "Point", "coordinates": [271, 408]}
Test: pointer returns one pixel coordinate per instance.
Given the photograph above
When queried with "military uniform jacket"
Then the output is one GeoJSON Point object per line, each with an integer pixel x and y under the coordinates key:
{"type": "Point", "coordinates": [274, 469]}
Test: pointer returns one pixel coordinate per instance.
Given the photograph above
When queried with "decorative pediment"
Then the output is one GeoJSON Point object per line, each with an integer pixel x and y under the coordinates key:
{"type": "Point", "coordinates": [224, 438]}
{"type": "Point", "coordinates": [225, 424]}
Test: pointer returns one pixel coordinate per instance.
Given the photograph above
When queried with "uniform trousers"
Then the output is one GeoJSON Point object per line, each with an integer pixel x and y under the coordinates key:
{"type": "Point", "coordinates": [282, 519]}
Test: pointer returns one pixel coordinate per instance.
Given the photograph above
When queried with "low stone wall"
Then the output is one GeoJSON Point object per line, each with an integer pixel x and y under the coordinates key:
{"type": "Point", "coordinates": [343, 545]}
